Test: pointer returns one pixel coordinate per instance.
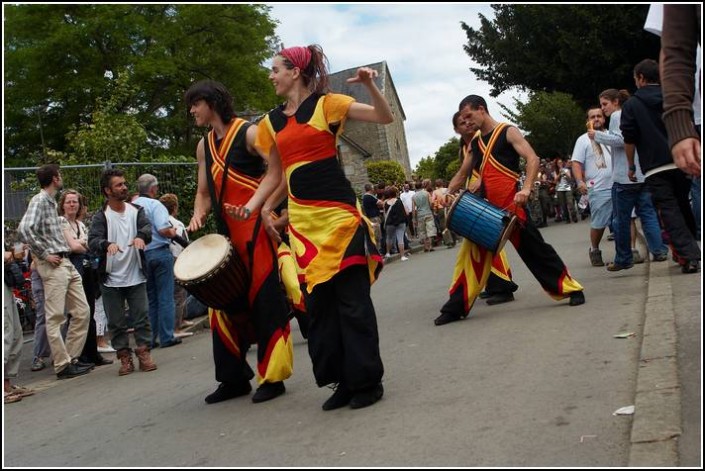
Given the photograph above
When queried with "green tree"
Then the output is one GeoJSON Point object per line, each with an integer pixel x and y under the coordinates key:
{"type": "Point", "coordinates": [111, 135]}
{"type": "Point", "coordinates": [551, 121]}
{"type": "Point", "coordinates": [426, 168]}
{"type": "Point", "coordinates": [445, 156]}
{"type": "Point", "coordinates": [577, 49]}
{"type": "Point", "coordinates": [60, 58]}
{"type": "Point", "coordinates": [385, 171]}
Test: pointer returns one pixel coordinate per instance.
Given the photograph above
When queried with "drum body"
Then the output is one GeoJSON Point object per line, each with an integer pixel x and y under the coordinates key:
{"type": "Point", "coordinates": [211, 270]}
{"type": "Point", "coordinates": [480, 221]}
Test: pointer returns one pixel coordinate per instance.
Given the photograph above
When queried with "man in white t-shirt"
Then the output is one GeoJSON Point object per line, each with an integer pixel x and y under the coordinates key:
{"type": "Point", "coordinates": [119, 233]}
{"type": "Point", "coordinates": [593, 177]}
{"type": "Point", "coordinates": [406, 198]}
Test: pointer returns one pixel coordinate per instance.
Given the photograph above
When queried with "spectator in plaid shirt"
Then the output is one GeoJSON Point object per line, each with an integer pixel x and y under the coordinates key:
{"type": "Point", "coordinates": [41, 229]}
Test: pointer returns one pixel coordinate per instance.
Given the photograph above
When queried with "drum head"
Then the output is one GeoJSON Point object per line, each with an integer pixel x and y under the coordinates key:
{"type": "Point", "coordinates": [507, 232]}
{"type": "Point", "coordinates": [201, 257]}
{"type": "Point", "coordinates": [452, 208]}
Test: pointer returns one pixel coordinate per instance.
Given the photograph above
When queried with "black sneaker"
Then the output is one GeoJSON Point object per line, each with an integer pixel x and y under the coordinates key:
{"type": "Point", "coordinates": [367, 397]}
{"type": "Point", "coordinates": [691, 267]}
{"type": "Point", "coordinates": [268, 391]}
{"type": "Point", "coordinates": [445, 318]}
{"type": "Point", "coordinates": [577, 298]}
{"type": "Point", "coordinates": [72, 370]}
{"type": "Point", "coordinates": [227, 391]}
{"type": "Point", "coordinates": [340, 398]}
{"type": "Point", "coordinates": [83, 364]}
{"type": "Point", "coordinates": [500, 298]}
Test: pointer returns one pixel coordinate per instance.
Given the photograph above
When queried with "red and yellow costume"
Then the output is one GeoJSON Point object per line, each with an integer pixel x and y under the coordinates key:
{"type": "Point", "coordinates": [331, 240]}
{"type": "Point", "coordinates": [499, 170]}
{"type": "Point", "coordinates": [263, 316]}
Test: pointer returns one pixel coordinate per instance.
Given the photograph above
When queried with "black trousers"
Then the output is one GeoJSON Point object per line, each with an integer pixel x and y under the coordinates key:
{"type": "Point", "coordinates": [669, 192]}
{"type": "Point", "coordinates": [343, 341]}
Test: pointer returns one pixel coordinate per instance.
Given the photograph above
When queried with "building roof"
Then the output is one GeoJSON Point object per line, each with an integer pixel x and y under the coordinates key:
{"type": "Point", "coordinates": [338, 84]}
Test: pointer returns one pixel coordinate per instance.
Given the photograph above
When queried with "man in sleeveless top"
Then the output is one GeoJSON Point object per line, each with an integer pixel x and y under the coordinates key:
{"type": "Point", "coordinates": [500, 146]}
{"type": "Point", "coordinates": [229, 172]}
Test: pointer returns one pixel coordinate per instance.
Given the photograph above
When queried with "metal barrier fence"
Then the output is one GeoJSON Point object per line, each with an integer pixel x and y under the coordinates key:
{"type": "Point", "coordinates": [20, 185]}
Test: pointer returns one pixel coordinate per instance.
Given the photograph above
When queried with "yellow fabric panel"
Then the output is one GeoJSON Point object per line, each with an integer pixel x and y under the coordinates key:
{"type": "Point", "coordinates": [474, 263]}
{"type": "Point", "coordinates": [501, 269]}
{"type": "Point", "coordinates": [265, 135]}
{"type": "Point", "coordinates": [289, 275]}
{"type": "Point", "coordinates": [335, 108]}
{"type": "Point", "coordinates": [281, 362]}
{"type": "Point", "coordinates": [331, 240]}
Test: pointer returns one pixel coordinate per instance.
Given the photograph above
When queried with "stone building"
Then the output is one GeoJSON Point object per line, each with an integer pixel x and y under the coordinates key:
{"type": "Point", "coordinates": [361, 141]}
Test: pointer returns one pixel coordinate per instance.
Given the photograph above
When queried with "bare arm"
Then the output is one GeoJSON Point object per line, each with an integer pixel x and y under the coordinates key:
{"type": "Point", "coordinates": [379, 112]}
{"type": "Point", "coordinates": [202, 202]}
{"type": "Point", "coordinates": [463, 173]}
{"type": "Point", "coordinates": [269, 184]}
{"type": "Point", "coordinates": [579, 177]}
{"type": "Point", "coordinates": [76, 245]}
{"type": "Point", "coordinates": [524, 149]}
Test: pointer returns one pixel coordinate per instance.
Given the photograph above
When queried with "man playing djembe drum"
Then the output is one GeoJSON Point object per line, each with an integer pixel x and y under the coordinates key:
{"type": "Point", "coordinates": [500, 146]}
{"type": "Point", "coordinates": [264, 317]}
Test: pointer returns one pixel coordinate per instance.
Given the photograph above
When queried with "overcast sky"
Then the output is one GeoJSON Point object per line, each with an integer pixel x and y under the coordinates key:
{"type": "Point", "coordinates": [423, 47]}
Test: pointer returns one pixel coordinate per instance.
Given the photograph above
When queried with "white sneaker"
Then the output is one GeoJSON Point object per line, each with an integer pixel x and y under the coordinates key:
{"type": "Point", "coordinates": [183, 334]}
{"type": "Point", "coordinates": [107, 349]}
{"type": "Point", "coordinates": [404, 259]}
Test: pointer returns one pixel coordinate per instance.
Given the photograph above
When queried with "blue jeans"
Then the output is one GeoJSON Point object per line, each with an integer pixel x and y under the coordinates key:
{"type": "Point", "coordinates": [160, 291]}
{"type": "Point", "coordinates": [626, 198]}
{"type": "Point", "coordinates": [695, 202]}
{"type": "Point", "coordinates": [41, 343]}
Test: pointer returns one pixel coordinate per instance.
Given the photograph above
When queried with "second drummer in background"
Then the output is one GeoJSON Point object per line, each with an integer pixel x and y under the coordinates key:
{"type": "Point", "coordinates": [499, 147]}
{"type": "Point", "coordinates": [229, 172]}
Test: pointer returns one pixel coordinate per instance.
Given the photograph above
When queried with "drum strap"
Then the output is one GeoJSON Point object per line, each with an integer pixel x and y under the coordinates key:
{"type": "Point", "coordinates": [217, 200]}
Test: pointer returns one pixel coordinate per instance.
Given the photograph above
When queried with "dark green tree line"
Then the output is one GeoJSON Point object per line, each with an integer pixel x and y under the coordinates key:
{"type": "Point", "coordinates": [576, 49]}
{"type": "Point", "coordinates": [60, 60]}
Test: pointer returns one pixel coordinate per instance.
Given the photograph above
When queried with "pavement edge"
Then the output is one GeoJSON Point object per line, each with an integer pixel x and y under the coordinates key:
{"type": "Point", "coordinates": [657, 406]}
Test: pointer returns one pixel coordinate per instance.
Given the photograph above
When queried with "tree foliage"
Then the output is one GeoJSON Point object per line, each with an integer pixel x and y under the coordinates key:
{"type": "Point", "coordinates": [61, 58]}
{"type": "Point", "coordinates": [551, 122]}
{"type": "Point", "coordinates": [426, 168]}
{"type": "Point", "coordinates": [111, 135]}
{"type": "Point", "coordinates": [445, 157]}
{"type": "Point", "coordinates": [385, 171]}
{"type": "Point", "coordinates": [576, 49]}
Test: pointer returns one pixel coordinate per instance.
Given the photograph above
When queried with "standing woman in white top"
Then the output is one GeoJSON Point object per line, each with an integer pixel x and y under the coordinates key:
{"type": "Point", "coordinates": [71, 209]}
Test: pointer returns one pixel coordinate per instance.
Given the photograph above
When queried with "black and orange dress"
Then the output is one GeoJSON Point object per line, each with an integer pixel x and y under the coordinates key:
{"type": "Point", "coordinates": [263, 317]}
{"type": "Point", "coordinates": [331, 240]}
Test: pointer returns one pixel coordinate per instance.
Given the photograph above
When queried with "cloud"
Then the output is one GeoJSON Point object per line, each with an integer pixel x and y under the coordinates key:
{"type": "Point", "coordinates": [423, 47]}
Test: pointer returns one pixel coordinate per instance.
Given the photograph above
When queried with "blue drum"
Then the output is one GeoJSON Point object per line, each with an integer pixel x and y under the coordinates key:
{"type": "Point", "coordinates": [480, 221]}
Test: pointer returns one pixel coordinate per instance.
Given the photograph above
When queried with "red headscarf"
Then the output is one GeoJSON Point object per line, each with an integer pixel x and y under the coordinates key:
{"type": "Point", "coordinates": [297, 55]}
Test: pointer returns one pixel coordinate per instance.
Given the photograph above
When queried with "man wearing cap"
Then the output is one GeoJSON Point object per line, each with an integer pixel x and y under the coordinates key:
{"type": "Point", "coordinates": [160, 264]}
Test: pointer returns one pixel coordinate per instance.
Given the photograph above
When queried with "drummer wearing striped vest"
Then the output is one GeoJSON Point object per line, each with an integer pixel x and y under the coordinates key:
{"type": "Point", "coordinates": [499, 147]}
{"type": "Point", "coordinates": [229, 172]}
{"type": "Point", "coordinates": [500, 287]}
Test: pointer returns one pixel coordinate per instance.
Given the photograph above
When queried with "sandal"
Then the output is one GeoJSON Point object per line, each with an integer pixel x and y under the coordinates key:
{"type": "Point", "coordinates": [9, 398]}
{"type": "Point", "coordinates": [21, 391]}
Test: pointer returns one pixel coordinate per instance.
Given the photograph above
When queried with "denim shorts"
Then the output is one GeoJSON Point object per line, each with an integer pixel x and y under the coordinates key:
{"type": "Point", "coordinates": [600, 208]}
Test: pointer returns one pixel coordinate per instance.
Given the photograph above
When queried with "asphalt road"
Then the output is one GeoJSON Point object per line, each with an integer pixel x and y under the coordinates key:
{"type": "Point", "coordinates": [531, 383]}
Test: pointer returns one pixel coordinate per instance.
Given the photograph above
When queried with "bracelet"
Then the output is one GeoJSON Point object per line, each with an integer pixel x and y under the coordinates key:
{"type": "Point", "coordinates": [632, 168]}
